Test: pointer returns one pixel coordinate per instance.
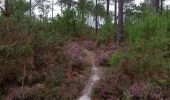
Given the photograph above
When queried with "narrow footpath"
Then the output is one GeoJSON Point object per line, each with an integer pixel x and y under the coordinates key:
{"type": "Point", "coordinates": [93, 79]}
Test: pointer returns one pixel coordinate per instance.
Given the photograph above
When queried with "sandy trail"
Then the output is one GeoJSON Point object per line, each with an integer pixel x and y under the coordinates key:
{"type": "Point", "coordinates": [94, 78]}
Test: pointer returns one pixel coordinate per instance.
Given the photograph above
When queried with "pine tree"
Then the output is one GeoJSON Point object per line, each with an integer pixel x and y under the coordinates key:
{"type": "Point", "coordinates": [96, 15]}
{"type": "Point", "coordinates": [107, 9]}
{"type": "Point", "coordinates": [120, 35]}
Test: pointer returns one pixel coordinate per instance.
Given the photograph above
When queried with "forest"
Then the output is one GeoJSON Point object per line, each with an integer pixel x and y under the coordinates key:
{"type": "Point", "coordinates": [84, 50]}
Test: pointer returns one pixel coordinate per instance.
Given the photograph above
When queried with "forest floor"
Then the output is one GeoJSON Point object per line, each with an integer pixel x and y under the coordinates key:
{"type": "Point", "coordinates": [73, 69]}
{"type": "Point", "coordinates": [96, 74]}
{"type": "Point", "coordinates": [78, 70]}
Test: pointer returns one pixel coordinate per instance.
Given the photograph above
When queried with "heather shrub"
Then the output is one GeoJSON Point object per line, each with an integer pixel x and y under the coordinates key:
{"type": "Point", "coordinates": [74, 54]}
{"type": "Point", "coordinates": [102, 57]}
{"type": "Point", "coordinates": [122, 85]}
{"type": "Point", "coordinates": [49, 82]}
{"type": "Point", "coordinates": [103, 54]}
{"type": "Point", "coordinates": [56, 76]}
{"type": "Point", "coordinates": [25, 51]}
{"type": "Point", "coordinates": [25, 93]}
{"type": "Point", "coordinates": [10, 62]}
{"type": "Point", "coordinates": [48, 35]}
{"type": "Point", "coordinates": [89, 45]}
{"type": "Point", "coordinates": [144, 67]}
{"type": "Point", "coordinates": [136, 89]}
{"type": "Point", "coordinates": [18, 93]}
{"type": "Point", "coordinates": [112, 86]}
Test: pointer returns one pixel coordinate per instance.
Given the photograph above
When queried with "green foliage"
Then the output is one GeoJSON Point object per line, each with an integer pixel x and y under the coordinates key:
{"type": "Point", "coordinates": [19, 7]}
{"type": "Point", "coordinates": [116, 58]}
{"type": "Point", "coordinates": [147, 54]}
{"type": "Point", "coordinates": [19, 51]}
{"type": "Point", "coordinates": [67, 23]}
{"type": "Point", "coordinates": [2, 47]}
{"type": "Point", "coordinates": [146, 26]}
{"type": "Point", "coordinates": [148, 38]}
{"type": "Point", "coordinates": [57, 77]}
{"type": "Point", "coordinates": [160, 82]}
{"type": "Point", "coordinates": [85, 7]}
{"type": "Point", "coordinates": [168, 65]}
{"type": "Point", "coordinates": [25, 51]}
{"type": "Point", "coordinates": [100, 10]}
{"type": "Point", "coordinates": [49, 35]}
{"type": "Point", "coordinates": [150, 52]}
{"type": "Point", "coordinates": [144, 56]}
{"type": "Point", "coordinates": [106, 33]}
{"type": "Point", "coordinates": [70, 24]}
{"type": "Point", "coordinates": [147, 34]}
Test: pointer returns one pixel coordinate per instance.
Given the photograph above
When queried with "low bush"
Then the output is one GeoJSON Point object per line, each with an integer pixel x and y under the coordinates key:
{"type": "Point", "coordinates": [103, 54]}
{"type": "Point", "coordinates": [142, 71]}
{"type": "Point", "coordinates": [106, 33]}
{"type": "Point", "coordinates": [74, 54]}
{"type": "Point", "coordinates": [115, 58]}
{"type": "Point", "coordinates": [89, 45]}
{"type": "Point", "coordinates": [146, 27]}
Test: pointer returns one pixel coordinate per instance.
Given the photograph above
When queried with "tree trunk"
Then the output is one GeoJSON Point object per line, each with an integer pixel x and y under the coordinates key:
{"type": "Point", "coordinates": [52, 9]}
{"type": "Point", "coordinates": [155, 5]}
{"type": "Point", "coordinates": [120, 35]}
{"type": "Point", "coordinates": [115, 18]}
{"type": "Point", "coordinates": [161, 7]}
{"type": "Point", "coordinates": [69, 4]}
{"type": "Point", "coordinates": [96, 17]}
{"type": "Point", "coordinates": [30, 8]}
{"type": "Point", "coordinates": [43, 10]}
{"type": "Point", "coordinates": [61, 8]}
{"type": "Point", "coordinates": [107, 9]}
{"type": "Point", "coordinates": [7, 14]}
{"type": "Point", "coordinates": [7, 8]}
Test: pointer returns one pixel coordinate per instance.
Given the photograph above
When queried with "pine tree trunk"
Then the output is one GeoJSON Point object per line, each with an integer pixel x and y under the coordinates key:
{"type": "Point", "coordinates": [107, 9]}
{"type": "Point", "coordinates": [120, 35]}
{"type": "Point", "coordinates": [69, 4]}
{"type": "Point", "coordinates": [7, 8]}
{"type": "Point", "coordinates": [7, 14]}
{"type": "Point", "coordinates": [161, 7]}
{"type": "Point", "coordinates": [30, 8]}
{"type": "Point", "coordinates": [52, 9]}
{"type": "Point", "coordinates": [155, 5]}
{"type": "Point", "coordinates": [96, 17]}
{"type": "Point", "coordinates": [115, 19]}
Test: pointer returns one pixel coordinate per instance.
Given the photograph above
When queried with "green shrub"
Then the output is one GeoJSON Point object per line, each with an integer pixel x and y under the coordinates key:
{"type": "Point", "coordinates": [146, 27]}
{"type": "Point", "coordinates": [115, 58]}
{"type": "Point", "coordinates": [25, 51]}
{"type": "Point", "coordinates": [67, 23]}
{"type": "Point", "coordinates": [106, 33]}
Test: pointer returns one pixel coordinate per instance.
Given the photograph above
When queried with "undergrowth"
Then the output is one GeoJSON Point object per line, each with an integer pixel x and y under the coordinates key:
{"type": "Point", "coordinates": [142, 71]}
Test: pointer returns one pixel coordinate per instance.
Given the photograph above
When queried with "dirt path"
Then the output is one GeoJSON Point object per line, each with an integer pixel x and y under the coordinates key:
{"type": "Point", "coordinates": [94, 78]}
